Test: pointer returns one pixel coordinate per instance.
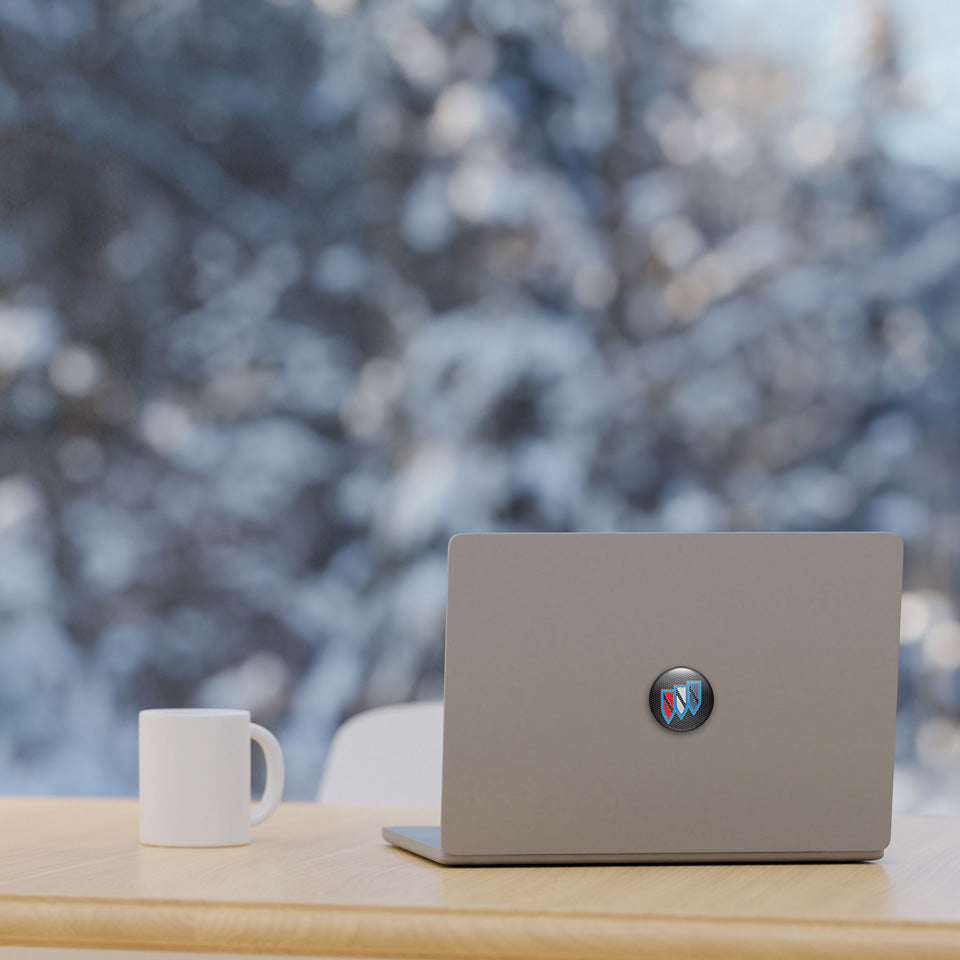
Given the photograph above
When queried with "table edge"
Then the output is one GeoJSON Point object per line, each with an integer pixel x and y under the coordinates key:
{"type": "Point", "coordinates": [364, 931]}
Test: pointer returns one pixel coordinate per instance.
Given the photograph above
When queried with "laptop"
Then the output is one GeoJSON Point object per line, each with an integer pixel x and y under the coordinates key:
{"type": "Point", "coordinates": [667, 698]}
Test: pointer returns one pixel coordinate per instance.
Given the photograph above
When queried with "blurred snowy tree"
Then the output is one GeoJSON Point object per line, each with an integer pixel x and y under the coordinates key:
{"type": "Point", "coordinates": [292, 292]}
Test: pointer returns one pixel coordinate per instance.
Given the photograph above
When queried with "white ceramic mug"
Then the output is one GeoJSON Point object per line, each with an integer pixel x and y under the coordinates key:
{"type": "Point", "coordinates": [195, 777]}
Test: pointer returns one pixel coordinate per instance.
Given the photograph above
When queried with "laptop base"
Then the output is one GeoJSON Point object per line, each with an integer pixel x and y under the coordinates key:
{"type": "Point", "coordinates": [425, 842]}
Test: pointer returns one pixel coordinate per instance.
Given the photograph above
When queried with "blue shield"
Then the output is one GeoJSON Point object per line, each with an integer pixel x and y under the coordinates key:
{"type": "Point", "coordinates": [693, 695]}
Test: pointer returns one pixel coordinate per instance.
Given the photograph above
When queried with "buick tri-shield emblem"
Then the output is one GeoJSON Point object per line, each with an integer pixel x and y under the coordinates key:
{"type": "Point", "coordinates": [681, 699]}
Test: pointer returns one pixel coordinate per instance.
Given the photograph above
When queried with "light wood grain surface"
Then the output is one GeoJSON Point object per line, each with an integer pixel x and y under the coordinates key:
{"type": "Point", "coordinates": [320, 881]}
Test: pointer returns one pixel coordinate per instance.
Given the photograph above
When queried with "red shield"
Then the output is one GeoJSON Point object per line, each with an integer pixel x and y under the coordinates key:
{"type": "Point", "coordinates": [667, 703]}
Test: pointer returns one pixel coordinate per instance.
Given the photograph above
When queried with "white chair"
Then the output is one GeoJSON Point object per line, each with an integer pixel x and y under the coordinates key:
{"type": "Point", "coordinates": [391, 755]}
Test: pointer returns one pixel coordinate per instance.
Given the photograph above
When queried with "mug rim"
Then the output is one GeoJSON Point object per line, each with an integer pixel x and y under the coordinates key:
{"type": "Point", "coordinates": [195, 713]}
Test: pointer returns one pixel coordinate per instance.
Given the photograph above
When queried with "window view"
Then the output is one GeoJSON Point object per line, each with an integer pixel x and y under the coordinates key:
{"type": "Point", "coordinates": [291, 292]}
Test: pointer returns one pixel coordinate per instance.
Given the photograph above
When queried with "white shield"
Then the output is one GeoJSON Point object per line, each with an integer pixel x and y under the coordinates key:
{"type": "Point", "coordinates": [681, 699]}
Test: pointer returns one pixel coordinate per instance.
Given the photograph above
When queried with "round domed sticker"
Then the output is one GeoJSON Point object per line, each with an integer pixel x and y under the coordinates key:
{"type": "Point", "coordinates": [681, 699]}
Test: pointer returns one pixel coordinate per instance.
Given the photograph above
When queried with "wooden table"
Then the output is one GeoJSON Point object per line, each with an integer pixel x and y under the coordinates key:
{"type": "Point", "coordinates": [319, 881]}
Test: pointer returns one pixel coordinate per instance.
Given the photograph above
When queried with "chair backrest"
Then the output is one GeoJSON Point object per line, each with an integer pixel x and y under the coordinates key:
{"type": "Point", "coordinates": [390, 755]}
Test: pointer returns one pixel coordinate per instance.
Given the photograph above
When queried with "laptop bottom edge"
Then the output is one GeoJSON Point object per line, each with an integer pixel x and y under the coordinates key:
{"type": "Point", "coordinates": [425, 842]}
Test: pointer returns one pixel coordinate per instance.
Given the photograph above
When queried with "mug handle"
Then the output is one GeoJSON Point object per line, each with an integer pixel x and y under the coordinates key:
{"type": "Point", "coordinates": [273, 788]}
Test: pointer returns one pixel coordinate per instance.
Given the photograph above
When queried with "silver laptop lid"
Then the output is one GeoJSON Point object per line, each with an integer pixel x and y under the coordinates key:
{"type": "Point", "coordinates": [551, 743]}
